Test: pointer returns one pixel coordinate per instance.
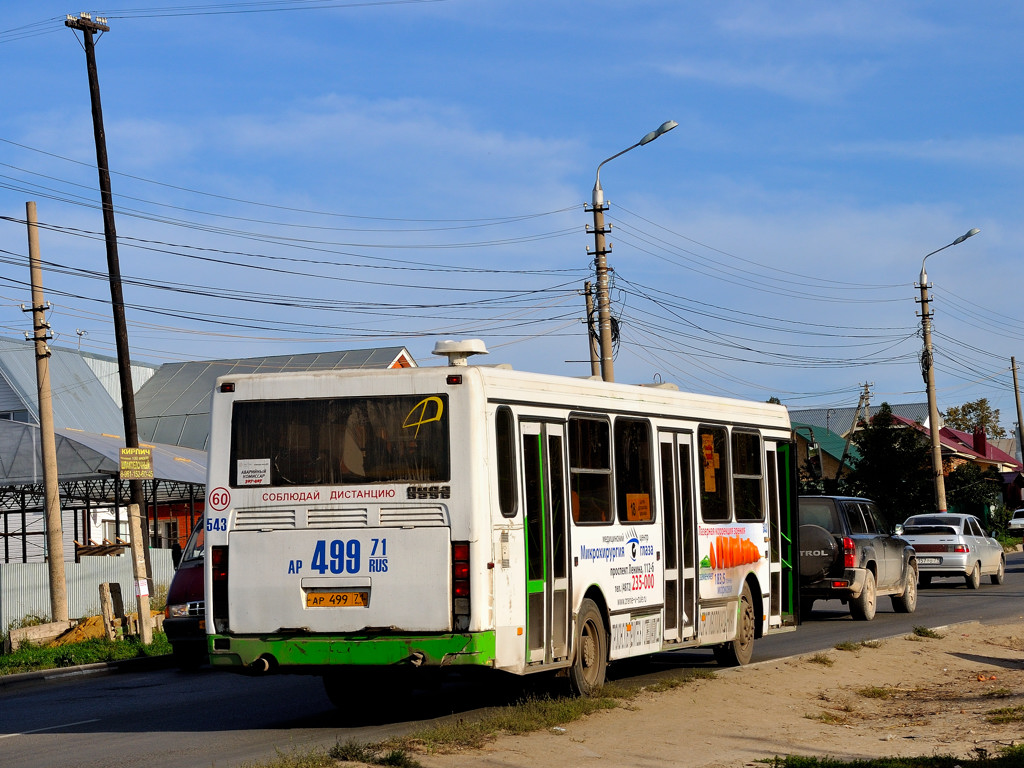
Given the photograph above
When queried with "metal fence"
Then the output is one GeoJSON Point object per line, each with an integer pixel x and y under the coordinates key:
{"type": "Point", "coordinates": [25, 587]}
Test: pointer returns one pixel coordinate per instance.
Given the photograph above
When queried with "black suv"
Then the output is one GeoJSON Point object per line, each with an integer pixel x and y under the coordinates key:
{"type": "Point", "coordinates": [846, 553]}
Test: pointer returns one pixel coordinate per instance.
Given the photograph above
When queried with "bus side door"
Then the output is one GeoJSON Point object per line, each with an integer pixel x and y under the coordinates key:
{"type": "Point", "coordinates": [781, 520]}
{"type": "Point", "coordinates": [676, 449]}
{"type": "Point", "coordinates": [547, 579]}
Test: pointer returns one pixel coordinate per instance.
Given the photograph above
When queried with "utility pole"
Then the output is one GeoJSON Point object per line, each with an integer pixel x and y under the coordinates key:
{"type": "Point", "coordinates": [1020, 418]}
{"type": "Point", "coordinates": [595, 366]}
{"type": "Point", "coordinates": [598, 207]}
{"type": "Point", "coordinates": [862, 401]}
{"type": "Point", "coordinates": [928, 371]}
{"type": "Point", "coordinates": [604, 314]}
{"type": "Point", "coordinates": [139, 545]}
{"type": "Point", "coordinates": [48, 442]}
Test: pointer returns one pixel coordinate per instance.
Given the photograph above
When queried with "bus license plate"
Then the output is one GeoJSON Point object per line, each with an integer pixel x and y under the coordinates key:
{"type": "Point", "coordinates": [346, 599]}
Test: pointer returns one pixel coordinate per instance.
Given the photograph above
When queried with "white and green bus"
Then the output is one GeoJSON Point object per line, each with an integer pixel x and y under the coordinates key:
{"type": "Point", "coordinates": [463, 515]}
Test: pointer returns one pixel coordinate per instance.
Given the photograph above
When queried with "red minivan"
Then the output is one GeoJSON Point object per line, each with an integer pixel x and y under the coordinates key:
{"type": "Point", "coordinates": [183, 618]}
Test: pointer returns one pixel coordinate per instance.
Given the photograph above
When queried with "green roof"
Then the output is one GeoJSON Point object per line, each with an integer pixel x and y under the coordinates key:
{"type": "Point", "coordinates": [828, 441]}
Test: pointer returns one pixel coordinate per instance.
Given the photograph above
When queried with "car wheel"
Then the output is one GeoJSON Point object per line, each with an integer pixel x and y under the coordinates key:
{"type": "Point", "coordinates": [907, 602]}
{"type": "Point", "coordinates": [999, 575]}
{"type": "Point", "coordinates": [974, 577]}
{"type": "Point", "coordinates": [738, 652]}
{"type": "Point", "coordinates": [863, 608]}
{"type": "Point", "coordinates": [586, 675]}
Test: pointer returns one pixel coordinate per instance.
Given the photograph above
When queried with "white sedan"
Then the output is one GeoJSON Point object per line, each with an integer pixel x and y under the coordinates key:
{"type": "Point", "coordinates": [1017, 520]}
{"type": "Point", "coordinates": [950, 544]}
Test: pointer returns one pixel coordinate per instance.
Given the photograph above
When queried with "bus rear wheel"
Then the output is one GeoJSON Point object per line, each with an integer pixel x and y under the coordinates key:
{"type": "Point", "coordinates": [738, 652]}
{"type": "Point", "coordinates": [587, 673]}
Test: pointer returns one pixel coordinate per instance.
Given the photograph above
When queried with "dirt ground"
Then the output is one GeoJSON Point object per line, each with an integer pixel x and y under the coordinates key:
{"type": "Point", "coordinates": [908, 696]}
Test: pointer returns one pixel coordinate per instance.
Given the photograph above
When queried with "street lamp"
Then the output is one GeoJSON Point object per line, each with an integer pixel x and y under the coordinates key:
{"type": "Point", "coordinates": [601, 254]}
{"type": "Point", "coordinates": [928, 369]}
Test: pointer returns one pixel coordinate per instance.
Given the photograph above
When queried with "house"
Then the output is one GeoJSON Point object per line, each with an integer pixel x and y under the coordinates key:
{"type": "Point", "coordinates": [817, 426]}
{"type": "Point", "coordinates": [820, 453]}
{"type": "Point", "coordinates": [959, 447]}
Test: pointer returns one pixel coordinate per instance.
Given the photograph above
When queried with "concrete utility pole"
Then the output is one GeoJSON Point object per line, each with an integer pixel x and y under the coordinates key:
{"type": "Point", "coordinates": [48, 442]}
{"type": "Point", "coordinates": [598, 207]}
{"type": "Point", "coordinates": [928, 369]}
{"type": "Point", "coordinates": [1020, 417]}
{"type": "Point", "coordinates": [87, 27]}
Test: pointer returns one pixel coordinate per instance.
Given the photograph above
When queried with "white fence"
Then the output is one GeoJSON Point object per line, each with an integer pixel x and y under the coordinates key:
{"type": "Point", "coordinates": [25, 587]}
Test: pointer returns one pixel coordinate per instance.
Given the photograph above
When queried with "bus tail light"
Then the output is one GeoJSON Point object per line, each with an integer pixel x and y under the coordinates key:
{"type": "Point", "coordinates": [460, 585]}
{"type": "Point", "coordinates": [849, 553]}
{"type": "Point", "coordinates": [219, 574]}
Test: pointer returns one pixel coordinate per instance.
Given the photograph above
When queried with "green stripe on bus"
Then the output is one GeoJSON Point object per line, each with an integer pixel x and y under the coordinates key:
{"type": "Point", "coordinates": [329, 650]}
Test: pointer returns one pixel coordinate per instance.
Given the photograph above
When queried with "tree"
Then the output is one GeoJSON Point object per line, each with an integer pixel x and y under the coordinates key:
{"type": "Point", "coordinates": [774, 400]}
{"type": "Point", "coordinates": [972, 489]}
{"type": "Point", "coordinates": [894, 468]}
{"type": "Point", "coordinates": [809, 482]}
{"type": "Point", "coordinates": [969, 416]}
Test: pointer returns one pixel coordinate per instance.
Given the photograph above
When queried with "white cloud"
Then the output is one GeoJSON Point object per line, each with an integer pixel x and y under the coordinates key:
{"type": "Point", "coordinates": [998, 152]}
{"type": "Point", "coordinates": [797, 80]}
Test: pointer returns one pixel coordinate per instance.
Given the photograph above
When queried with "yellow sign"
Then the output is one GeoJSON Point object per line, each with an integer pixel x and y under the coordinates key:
{"type": "Point", "coordinates": [711, 462]}
{"type": "Point", "coordinates": [136, 464]}
{"type": "Point", "coordinates": [638, 507]}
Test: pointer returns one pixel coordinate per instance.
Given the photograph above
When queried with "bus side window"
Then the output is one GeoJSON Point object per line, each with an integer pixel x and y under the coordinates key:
{"type": "Point", "coordinates": [590, 470]}
{"type": "Point", "coordinates": [747, 477]}
{"type": "Point", "coordinates": [714, 468]}
{"type": "Point", "coordinates": [633, 476]}
{"type": "Point", "coordinates": [505, 447]}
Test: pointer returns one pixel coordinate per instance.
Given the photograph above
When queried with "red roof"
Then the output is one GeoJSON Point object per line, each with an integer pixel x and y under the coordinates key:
{"type": "Point", "coordinates": [962, 443]}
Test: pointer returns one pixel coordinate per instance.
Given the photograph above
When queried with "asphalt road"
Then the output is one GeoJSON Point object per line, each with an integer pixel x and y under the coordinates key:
{"type": "Point", "coordinates": [167, 718]}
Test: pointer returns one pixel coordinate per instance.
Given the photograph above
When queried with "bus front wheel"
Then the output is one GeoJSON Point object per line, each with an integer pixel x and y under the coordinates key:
{"type": "Point", "coordinates": [738, 652]}
{"type": "Point", "coordinates": [588, 669]}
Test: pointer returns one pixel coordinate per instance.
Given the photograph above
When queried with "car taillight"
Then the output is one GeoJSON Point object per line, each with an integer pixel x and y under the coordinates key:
{"type": "Point", "coordinates": [219, 563]}
{"type": "Point", "coordinates": [460, 585]}
{"type": "Point", "coordinates": [849, 553]}
{"type": "Point", "coordinates": [219, 575]}
{"type": "Point", "coordinates": [961, 548]}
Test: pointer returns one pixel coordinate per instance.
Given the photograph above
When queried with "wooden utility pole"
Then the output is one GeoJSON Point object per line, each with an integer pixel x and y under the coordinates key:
{"type": "Point", "coordinates": [1020, 418]}
{"type": "Point", "coordinates": [862, 402]}
{"type": "Point", "coordinates": [47, 440]}
{"type": "Point", "coordinates": [595, 365]}
{"type": "Point", "coordinates": [139, 544]}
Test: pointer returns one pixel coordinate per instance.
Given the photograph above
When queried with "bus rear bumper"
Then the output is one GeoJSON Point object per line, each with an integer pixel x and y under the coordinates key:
{"type": "Point", "coordinates": [314, 654]}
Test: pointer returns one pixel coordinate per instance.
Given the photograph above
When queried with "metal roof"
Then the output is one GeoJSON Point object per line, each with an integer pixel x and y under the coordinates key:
{"type": "Point", "coordinates": [828, 441]}
{"type": "Point", "coordinates": [173, 407]}
{"type": "Point", "coordinates": [79, 399]}
{"type": "Point", "coordinates": [84, 456]}
{"type": "Point", "coordinates": [839, 420]}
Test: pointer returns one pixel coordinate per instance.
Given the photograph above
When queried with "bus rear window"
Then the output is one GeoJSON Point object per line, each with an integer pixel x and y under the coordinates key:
{"type": "Point", "coordinates": [355, 440]}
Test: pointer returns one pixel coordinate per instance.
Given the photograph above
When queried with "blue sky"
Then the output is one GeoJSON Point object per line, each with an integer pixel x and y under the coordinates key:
{"type": "Point", "coordinates": [293, 176]}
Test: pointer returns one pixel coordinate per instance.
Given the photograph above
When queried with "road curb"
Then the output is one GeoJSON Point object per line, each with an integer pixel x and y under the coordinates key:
{"type": "Point", "coordinates": [141, 664]}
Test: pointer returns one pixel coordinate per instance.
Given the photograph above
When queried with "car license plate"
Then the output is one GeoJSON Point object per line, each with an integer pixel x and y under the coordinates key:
{"type": "Point", "coordinates": [928, 560]}
{"type": "Point", "coordinates": [341, 599]}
